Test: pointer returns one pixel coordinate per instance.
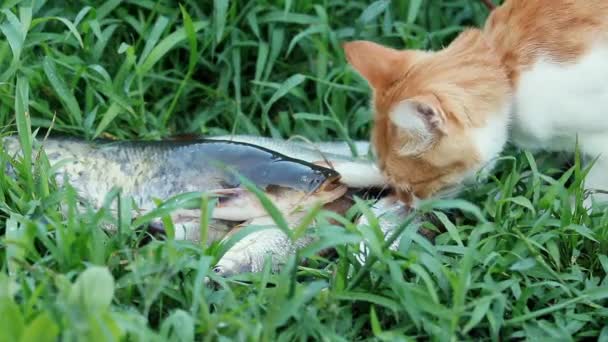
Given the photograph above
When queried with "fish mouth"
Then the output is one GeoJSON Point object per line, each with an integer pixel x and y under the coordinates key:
{"type": "Point", "coordinates": [330, 184]}
{"type": "Point", "coordinates": [330, 190]}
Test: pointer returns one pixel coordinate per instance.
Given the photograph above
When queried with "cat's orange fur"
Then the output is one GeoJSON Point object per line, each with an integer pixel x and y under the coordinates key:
{"type": "Point", "coordinates": [458, 89]}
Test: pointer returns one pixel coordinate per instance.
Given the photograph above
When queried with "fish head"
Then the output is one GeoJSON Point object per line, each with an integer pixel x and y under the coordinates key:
{"type": "Point", "coordinates": [240, 204]}
{"type": "Point", "coordinates": [293, 174]}
{"type": "Point", "coordinates": [261, 166]}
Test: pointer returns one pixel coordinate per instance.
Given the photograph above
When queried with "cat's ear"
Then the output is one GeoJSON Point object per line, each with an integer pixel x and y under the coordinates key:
{"type": "Point", "coordinates": [420, 121]}
{"type": "Point", "coordinates": [378, 64]}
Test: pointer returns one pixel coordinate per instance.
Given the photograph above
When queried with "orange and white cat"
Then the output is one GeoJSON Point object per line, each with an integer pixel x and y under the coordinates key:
{"type": "Point", "coordinates": [536, 74]}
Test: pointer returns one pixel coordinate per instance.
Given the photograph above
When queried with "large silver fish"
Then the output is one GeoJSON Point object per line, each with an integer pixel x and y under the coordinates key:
{"type": "Point", "coordinates": [359, 171]}
{"type": "Point", "coordinates": [159, 170]}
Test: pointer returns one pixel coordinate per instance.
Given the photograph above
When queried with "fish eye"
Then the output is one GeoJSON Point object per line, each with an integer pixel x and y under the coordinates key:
{"type": "Point", "coordinates": [317, 181]}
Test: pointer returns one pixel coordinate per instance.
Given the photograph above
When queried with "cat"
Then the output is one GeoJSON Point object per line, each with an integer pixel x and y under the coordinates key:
{"type": "Point", "coordinates": [536, 74]}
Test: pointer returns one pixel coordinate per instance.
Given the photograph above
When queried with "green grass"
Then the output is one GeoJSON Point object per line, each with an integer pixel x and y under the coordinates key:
{"type": "Point", "coordinates": [518, 260]}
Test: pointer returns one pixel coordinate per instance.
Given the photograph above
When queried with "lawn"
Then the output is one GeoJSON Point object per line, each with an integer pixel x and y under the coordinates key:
{"type": "Point", "coordinates": [517, 260]}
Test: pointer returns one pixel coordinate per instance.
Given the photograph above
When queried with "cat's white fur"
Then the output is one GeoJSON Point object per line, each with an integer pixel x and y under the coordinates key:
{"type": "Point", "coordinates": [555, 103]}
{"type": "Point", "coordinates": [492, 137]}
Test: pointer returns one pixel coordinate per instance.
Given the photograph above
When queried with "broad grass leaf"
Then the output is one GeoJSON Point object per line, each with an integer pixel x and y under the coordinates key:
{"type": "Point", "coordinates": [25, 17]}
{"type": "Point", "coordinates": [312, 117]}
{"type": "Point", "coordinates": [192, 41]}
{"type": "Point", "coordinates": [12, 323]}
{"type": "Point", "coordinates": [167, 221]}
{"type": "Point", "coordinates": [205, 218]}
{"type": "Point", "coordinates": [108, 6]}
{"type": "Point", "coordinates": [428, 282]}
{"type": "Point", "coordinates": [73, 30]}
{"type": "Point", "coordinates": [220, 8]}
{"type": "Point", "coordinates": [288, 18]}
{"type": "Point", "coordinates": [462, 205]}
{"type": "Point", "coordinates": [374, 10]}
{"type": "Point", "coordinates": [106, 118]}
{"type": "Point", "coordinates": [368, 297]}
{"type": "Point", "coordinates": [284, 88]}
{"type": "Point", "coordinates": [165, 45]}
{"type": "Point", "coordinates": [479, 312]}
{"type": "Point", "coordinates": [102, 72]}
{"type": "Point", "coordinates": [604, 262]}
{"type": "Point", "coordinates": [59, 86]}
{"type": "Point", "coordinates": [14, 32]}
{"type": "Point", "coordinates": [315, 29]}
{"type": "Point", "coordinates": [124, 213]}
{"type": "Point", "coordinates": [584, 231]}
{"type": "Point", "coordinates": [603, 334]}
{"type": "Point", "coordinates": [277, 39]}
{"type": "Point", "coordinates": [554, 252]}
{"type": "Point", "coordinates": [188, 200]}
{"type": "Point", "coordinates": [524, 202]}
{"type": "Point", "coordinates": [329, 237]}
{"type": "Point", "coordinates": [157, 30]}
{"type": "Point", "coordinates": [16, 244]}
{"type": "Point", "coordinates": [24, 129]}
{"type": "Point", "coordinates": [375, 323]}
{"type": "Point", "coordinates": [93, 289]}
{"type": "Point", "coordinates": [556, 188]}
{"type": "Point", "coordinates": [309, 219]}
{"type": "Point", "coordinates": [81, 14]}
{"type": "Point", "coordinates": [449, 226]}
{"type": "Point", "coordinates": [414, 9]}
{"type": "Point", "coordinates": [523, 265]}
{"type": "Point", "coordinates": [260, 63]}
{"type": "Point", "coordinates": [179, 326]}
{"type": "Point", "coordinates": [598, 293]}
{"type": "Point", "coordinates": [41, 329]}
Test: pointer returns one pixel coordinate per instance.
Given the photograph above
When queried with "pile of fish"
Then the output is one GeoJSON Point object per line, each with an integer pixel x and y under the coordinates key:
{"type": "Point", "coordinates": [295, 176]}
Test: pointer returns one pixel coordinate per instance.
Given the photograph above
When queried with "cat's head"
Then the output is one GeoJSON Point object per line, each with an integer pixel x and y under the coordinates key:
{"type": "Point", "coordinates": [439, 117]}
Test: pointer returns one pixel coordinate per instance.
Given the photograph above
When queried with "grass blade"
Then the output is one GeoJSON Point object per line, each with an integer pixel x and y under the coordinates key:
{"type": "Point", "coordinates": [165, 45]}
{"type": "Point", "coordinates": [59, 86]}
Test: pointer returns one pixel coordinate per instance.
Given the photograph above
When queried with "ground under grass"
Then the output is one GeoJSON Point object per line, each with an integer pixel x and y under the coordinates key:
{"type": "Point", "coordinates": [518, 260]}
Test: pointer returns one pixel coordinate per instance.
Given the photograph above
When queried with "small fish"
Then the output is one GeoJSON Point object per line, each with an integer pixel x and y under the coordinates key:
{"type": "Point", "coordinates": [355, 172]}
{"type": "Point", "coordinates": [187, 222]}
{"type": "Point", "coordinates": [249, 253]}
{"type": "Point", "coordinates": [390, 213]}
{"type": "Point", "coordinates": [146, 170]}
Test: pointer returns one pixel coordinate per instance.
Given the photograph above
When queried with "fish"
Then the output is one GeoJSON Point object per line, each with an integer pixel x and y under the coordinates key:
{"type": "Point", "coordinates": [187, 227]}
{"type": "Point", "coordinates": [148, 170]}
{"type": "Point", "coordinates": [360, 171]}
{"type": "Point", "coordinates": [248, 255]}
{"type": "Point", "coordinates": [391, 213]}
{"type": "Point", "coordinates": [188, 220]}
